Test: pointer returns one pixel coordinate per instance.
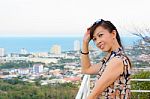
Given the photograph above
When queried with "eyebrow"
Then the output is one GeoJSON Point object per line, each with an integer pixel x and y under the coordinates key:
{"type": "Point", "coordinates": [97, 33]}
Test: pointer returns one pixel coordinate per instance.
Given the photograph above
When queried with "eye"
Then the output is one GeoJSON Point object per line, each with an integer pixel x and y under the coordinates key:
{"type": "Point", "coordinates": [94, 39]}
{"type": "Point", "coordinates": [100, 35]}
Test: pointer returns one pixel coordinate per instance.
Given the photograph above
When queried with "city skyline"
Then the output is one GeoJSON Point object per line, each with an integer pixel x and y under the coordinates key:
{"type": "Point", "coordinates": [54, 49]}
{"type": "Point", "coordinates": [42, 44]}
{"type": "Point", "coordinates": [51, 18]}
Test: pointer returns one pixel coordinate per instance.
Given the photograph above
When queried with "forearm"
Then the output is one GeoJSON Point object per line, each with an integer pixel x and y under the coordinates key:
{"type": "Point", "coordinates": [85, 60]}
{"type": "Point", "coordinates": [92, 97]}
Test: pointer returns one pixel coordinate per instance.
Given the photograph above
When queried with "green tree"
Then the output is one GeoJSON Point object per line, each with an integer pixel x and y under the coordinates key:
{"type": "Point", "coordinates": [135, 85]}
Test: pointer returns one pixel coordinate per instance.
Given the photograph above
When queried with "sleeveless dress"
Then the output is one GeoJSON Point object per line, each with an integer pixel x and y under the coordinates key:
{"type": "Point", "coordinates": [120, 88]}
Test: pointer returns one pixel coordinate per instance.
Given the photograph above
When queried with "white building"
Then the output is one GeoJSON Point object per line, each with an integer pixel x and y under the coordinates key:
{"type": "Point", "coordinates": [40, 54]}
{"type": "Point", "coordinates": [76, 45]}
{"type": "Point", "coordinates": [22, 71]}
{"type": "Point", "coordinates": [24, 51]}
{"type": "Point", "coordinates": [57, 55]}
{"type": "Point", "coordinates": [56, 49]}
{"type": "Point", "coordinates": [44, 60]}
{"type": "Point", "coordinates": [37, 68]}
{"type": "Point", "coordinates": [16, 58]}
{"type": "Point", "coordinates": [2, 52]}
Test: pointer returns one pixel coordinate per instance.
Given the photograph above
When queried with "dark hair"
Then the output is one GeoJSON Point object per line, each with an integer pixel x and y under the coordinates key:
{"type": "Point", "coordinates": [110, 27]}
{"type": "Point", "coordinates": [107, 25]}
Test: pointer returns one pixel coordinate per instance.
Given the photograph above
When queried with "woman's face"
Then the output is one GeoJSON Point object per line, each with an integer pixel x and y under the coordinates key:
{"type": "Point", "coordinates": [103, 39]}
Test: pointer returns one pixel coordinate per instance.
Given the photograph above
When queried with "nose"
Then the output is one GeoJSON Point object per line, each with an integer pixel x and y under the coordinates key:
{"type": "Point", "coordinates": [97, 41]}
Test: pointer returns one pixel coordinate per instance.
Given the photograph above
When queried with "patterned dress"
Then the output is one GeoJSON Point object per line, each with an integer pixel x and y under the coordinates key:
{"type": "Point", "coordinates": [120, 88]}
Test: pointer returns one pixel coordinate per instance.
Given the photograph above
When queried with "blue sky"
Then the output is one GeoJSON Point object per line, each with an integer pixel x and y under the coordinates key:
{"type": "Point", "coordinates": [69, 17]}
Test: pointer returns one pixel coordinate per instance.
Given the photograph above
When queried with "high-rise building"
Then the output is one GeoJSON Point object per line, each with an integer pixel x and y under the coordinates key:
{"type": "Point", "coordinates": [24, 51]}
{"type": "Point", "coordinates": [56, 49]}
{"type": "Point", "coordinates": [76, 45]}
{"type": "Point", "coordinates": [2, 52]}
{"type": "Point", "coordinates": [37, 68]}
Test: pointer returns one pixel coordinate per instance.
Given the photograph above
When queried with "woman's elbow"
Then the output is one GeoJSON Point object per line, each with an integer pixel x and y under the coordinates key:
{"type": "Point", "coordinates": [83, 71]}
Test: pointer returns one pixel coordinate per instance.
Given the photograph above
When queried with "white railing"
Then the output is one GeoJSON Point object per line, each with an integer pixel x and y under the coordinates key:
{"type": "Point", "coordinates": [140, 80]}
{"type": "Point", "coordinates": [85, 87]}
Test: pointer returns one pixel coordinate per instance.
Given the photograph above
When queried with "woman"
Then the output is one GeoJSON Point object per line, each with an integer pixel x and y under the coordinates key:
{"type": "Point", "coordinates": [114, 69]}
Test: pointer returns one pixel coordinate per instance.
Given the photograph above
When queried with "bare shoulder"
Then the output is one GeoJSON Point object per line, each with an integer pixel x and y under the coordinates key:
{"type": "Point", "coordinates": [116, 60]}
{"type": "Point", "coordinates": [115, 64]}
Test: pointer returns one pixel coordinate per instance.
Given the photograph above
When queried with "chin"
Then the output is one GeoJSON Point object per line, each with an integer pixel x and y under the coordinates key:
{"type": "Point", "coordinates": [104, 50]}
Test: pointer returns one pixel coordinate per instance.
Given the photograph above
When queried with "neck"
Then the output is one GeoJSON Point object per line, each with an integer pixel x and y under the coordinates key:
{"type": "Point", "coordinates": [114, 47]}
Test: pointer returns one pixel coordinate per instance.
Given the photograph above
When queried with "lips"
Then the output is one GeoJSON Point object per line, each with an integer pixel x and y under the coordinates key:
{"type": "Point", "coordinates": [101, 46]}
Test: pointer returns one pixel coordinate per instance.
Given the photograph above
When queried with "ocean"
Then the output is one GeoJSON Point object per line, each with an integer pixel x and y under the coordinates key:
{"type": "Point", "coordinates": [44, 44]}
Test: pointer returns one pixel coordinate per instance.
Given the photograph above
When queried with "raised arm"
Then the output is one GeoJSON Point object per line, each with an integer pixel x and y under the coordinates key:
{"type": "Point", "coordinates": [87, 67]}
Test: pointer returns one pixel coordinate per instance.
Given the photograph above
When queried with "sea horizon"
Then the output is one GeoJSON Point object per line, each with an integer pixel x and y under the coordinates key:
{"type": "Point", "coordinates": [44, 44]}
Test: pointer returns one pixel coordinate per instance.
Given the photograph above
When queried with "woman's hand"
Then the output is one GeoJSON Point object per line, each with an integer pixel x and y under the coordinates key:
{"type": "Point", "coordinates": [86, 37]}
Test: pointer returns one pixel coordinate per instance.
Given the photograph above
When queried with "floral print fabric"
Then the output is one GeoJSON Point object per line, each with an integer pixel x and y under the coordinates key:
{"type": "Point", "coordinates": [120, 89]}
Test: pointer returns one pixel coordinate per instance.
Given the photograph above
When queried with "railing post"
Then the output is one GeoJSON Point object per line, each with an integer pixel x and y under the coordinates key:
{"type": "Point", "coordinates": [88, 85]}
{"type": "Point", "coordinates": [84, 90]}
